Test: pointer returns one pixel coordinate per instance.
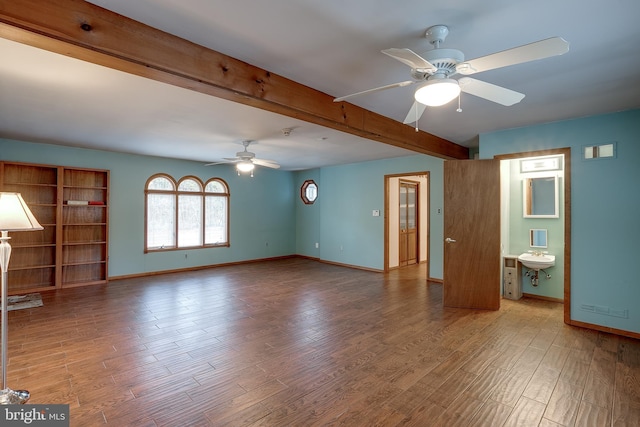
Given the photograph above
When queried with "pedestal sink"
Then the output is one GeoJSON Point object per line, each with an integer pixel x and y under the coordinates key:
{"type": "Point", "coordinates": [537, 261]}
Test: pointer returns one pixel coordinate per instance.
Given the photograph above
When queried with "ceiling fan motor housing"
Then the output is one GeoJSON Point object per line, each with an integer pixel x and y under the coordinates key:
{"type": "Point", "coordinates": [245, 155]}
{"type": "Point", "coordinates": [445, 60]}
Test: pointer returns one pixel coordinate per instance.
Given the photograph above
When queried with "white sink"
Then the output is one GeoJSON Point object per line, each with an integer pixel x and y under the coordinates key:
{"type": "Point", "coordinates": [537, 262]}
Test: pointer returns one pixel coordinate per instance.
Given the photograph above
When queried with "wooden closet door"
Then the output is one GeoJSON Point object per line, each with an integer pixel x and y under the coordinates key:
{"type": "Point", "coordinates": [472, 234]}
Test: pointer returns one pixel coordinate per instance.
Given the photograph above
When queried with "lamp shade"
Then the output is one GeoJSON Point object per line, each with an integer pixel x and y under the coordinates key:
{"type": "Point", "coordinates": [437, 92]}
{"type": "Point", "coordinates": [15, 214]}
{"type": "Point", "coordinates": [245, 166]}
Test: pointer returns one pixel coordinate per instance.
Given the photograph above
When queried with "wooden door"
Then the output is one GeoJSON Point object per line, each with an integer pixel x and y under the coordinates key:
{"type": "Point", "coordinates": [408, 238]}
{"type": "Point", "coordinates": [472, 234]}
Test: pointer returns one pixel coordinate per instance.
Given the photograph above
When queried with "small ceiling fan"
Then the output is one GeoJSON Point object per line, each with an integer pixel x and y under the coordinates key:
{"type": "Point", "coordinates": [246, 161]}
{"type": "Point", "coordinates": [437, 68]}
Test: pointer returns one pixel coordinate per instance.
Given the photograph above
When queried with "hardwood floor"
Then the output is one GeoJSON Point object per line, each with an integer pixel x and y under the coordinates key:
{"type": "Point", "coordinates": [300, 343]}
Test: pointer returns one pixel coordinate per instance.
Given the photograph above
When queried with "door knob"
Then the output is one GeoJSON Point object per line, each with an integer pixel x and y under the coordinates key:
{"type": "Point", "coordinates": [449, 240]}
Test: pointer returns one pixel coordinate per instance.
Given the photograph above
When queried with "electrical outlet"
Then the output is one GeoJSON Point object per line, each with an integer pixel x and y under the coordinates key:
{"type": "Point", "coordinates": [317, 245]}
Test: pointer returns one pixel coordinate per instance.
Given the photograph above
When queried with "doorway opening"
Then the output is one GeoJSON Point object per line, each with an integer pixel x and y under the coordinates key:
{"type": "Point", "coordinates": [406, 220]}
{"type": "Point", "coordinates": [565, 219]}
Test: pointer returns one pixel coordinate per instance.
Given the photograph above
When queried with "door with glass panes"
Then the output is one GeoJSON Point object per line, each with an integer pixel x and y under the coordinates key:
{"type": "Point", "coordinates": [408, 222]}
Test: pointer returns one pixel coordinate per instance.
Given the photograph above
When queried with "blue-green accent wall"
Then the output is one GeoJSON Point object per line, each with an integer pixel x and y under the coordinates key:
{"type": "Point", "coordinates": [262, 215]}
{"type": "Point", "coordinates": [605, 211]}
{"type": "Point", "coordinates": [267, 217]}
{"type": "Point", "coordinates": [308, 219]}
{"type": "Point", "coordinates": [341, 220]}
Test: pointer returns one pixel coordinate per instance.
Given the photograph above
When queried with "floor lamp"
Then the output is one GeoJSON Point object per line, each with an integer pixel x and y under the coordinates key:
{"type": "Point", "coordinates": [14, 216]}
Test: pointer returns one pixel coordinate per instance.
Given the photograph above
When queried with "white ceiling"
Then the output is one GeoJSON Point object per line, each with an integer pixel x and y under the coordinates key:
{"type": "Point", "coordinates": [332, 46]}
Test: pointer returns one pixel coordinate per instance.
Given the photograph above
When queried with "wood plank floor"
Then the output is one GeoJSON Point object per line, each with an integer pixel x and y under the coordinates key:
{"type": "Point", "coordinates": [300, 343]}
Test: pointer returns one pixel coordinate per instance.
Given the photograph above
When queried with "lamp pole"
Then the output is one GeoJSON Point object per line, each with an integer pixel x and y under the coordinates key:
{"type": "Point", "coordinates": [14, 216]}
{"type": "Point", "coordinates": [7, 396]}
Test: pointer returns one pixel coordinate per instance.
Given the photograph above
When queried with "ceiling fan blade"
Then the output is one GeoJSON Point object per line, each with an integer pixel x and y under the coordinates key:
{"type": "Point", "coordinates": [377, 89]}
{"type": "Point", "coordinates": [529, 52]}
{"type": "Point", "coordinates": [410, 58]}
{"type": "Point", "coordinates": [415, 112]}
{"type": "Point", "coordinates": [266, 163]}
{"type": "Point", "coordinates": [225, 161]}
{"type": "Point", "coordinates": [490, 91]}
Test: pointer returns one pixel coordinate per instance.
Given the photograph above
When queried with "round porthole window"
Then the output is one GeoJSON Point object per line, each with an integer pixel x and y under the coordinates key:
{"type": "Point", "coordinates": [309, 192]}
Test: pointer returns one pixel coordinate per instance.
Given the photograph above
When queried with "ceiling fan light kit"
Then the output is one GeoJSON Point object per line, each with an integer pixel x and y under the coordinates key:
{"type": "Point", "coordinates": [438, 92]}
{"type": "Point", "coordinates": [440, 71]}
{"type": "Point", "coordinates": [245, 166]}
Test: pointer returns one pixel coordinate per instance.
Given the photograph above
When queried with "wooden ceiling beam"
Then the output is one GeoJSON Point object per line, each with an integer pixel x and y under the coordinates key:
{"type": "Point", "coordinates": [84, 31]}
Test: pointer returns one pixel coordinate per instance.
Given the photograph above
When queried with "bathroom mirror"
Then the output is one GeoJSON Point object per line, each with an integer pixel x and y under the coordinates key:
{"type": "Point", "coordinates": [540, 197]}
{"type": "Point", "coordinates": [538, 238]}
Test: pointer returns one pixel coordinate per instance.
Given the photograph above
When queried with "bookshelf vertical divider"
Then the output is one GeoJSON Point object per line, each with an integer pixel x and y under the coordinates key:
{"type": "Point", "coordinates": [59, 239]}
{"type": "Point", "coordinates": [72, 205]}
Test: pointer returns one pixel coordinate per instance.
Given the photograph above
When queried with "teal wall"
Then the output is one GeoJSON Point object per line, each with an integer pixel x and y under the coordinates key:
{"type": "Point", "coordinates": [308, 219]}
{"type": "Point", "coordinates": [262, 210]}
{"type": "Point", "coordinates": [268, 219]}
{"type": "Point", "coordinates": [605, 211]}
{"type": "Point", "coordinates": [341, 221]}
{"type": "Point", "coordinates": [267, 216]}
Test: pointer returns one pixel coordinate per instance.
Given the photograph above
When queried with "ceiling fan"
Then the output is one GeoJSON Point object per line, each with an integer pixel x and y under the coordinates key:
{"type": "Point", "coordinates": [246, 161]}
{"type": "Point", "coordinates": [437, 67]}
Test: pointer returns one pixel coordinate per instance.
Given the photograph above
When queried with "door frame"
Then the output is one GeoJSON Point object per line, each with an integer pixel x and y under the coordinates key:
{"type": "Point", "coordinates": [424, 206]}
{"type": "Point", "coordinates": [567, 215]}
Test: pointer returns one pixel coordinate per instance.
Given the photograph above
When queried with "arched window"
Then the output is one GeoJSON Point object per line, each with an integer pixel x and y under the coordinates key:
{"type": "Point", "coordinates": [190, 213]}
{"type": "Point", "coordinates": [216, 207]}
{"type": "Point", "coordinates": [186, 214]}
{"type": "Point", "coordinates": [160, 213]}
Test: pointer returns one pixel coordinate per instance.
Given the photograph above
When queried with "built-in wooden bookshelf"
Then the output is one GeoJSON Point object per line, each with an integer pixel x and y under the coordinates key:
{"type": "Point", "coordinates": [72, 206]}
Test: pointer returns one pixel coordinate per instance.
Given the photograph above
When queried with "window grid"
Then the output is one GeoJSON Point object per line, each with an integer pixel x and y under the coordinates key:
{"type": "Point", "coordinates": [185, 215]}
